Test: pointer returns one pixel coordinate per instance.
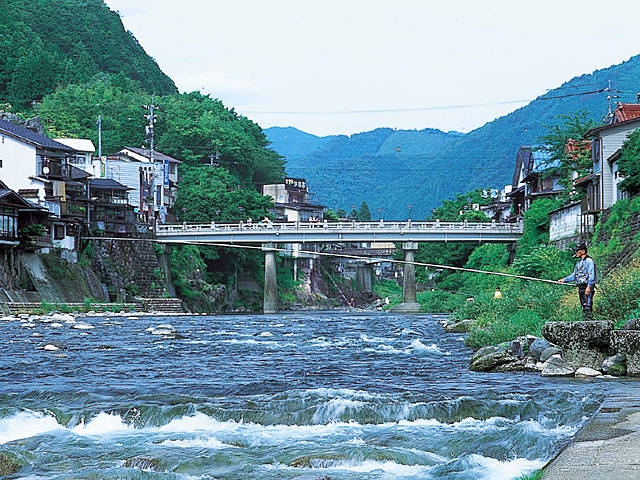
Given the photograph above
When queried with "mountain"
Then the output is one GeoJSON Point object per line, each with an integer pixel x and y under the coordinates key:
{"type": "Point", "coordinates": [48, 43]}
{"type": "Point", "coordinates": [410, 172]}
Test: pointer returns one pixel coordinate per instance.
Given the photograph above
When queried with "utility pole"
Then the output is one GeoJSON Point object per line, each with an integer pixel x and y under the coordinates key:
{"type": "Point", "coordinates": [99, 137]}
{"type": "Point", "coordinates": [150, 134]}
{"type": "Point", "coordinates": [610, 97]}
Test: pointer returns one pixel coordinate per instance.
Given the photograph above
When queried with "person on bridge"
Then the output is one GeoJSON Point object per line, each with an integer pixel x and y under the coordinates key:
{"type": "Point", "coordinates": [584, 274]}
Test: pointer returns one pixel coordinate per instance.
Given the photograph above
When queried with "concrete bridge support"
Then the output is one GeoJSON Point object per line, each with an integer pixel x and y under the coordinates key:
{"type": "Point", "coordinates": [270, 304]}
{"type": "Point", "coordinates": [409, 303]}
{"type": "Point", "coordinates": [364, 278]}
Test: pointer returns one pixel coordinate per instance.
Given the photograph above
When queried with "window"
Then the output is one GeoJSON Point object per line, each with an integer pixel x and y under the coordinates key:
{"type": "Point", "coordinates": [8, 223]}
{"type": "Point", "coordinates": [595, 149]}
{"type": "Point", "coordinates": [58, 232]}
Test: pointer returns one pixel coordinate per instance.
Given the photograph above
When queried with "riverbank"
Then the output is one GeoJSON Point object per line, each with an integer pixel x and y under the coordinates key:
{"type": "Point", "coordinates": [606, 447]}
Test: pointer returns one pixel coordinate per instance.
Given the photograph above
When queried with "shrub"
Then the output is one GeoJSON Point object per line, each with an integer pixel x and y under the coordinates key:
{"type": "Point", "coordinates": [439, 301]}
{"type": "Point", "coordinates": [617, 296]}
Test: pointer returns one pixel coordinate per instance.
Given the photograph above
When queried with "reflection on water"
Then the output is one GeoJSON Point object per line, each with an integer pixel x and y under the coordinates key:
{"type": "Point", "coordinates": [304, 396]}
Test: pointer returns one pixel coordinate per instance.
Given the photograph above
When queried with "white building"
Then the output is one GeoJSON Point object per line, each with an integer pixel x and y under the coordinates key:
{"type": "Point", "coordinates": [152, 183]}
{"type": "Point", "coordinates": [33, 165]}
{"type": "Point", "coordinates": [83, 156]}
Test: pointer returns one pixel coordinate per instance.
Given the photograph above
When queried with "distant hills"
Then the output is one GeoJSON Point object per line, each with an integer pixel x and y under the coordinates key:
{"type": "Point", "coordinates": [47, 45]}
{"type": "Point", "coordinates": [394, 169]}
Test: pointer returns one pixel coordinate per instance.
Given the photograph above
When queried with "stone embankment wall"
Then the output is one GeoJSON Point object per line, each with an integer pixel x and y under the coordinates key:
{"type": "Point", "coordinates": [108, 271]}
{"type": "Point", "coordinates": [132, 268]}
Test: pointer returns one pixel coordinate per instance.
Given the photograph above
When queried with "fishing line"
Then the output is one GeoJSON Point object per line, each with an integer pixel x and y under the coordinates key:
{"type": "Point", "coordinates": [340, 255]}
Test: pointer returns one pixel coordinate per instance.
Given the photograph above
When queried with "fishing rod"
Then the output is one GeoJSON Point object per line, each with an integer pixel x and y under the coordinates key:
{"type": "Point", "coordinates": [370, 259]}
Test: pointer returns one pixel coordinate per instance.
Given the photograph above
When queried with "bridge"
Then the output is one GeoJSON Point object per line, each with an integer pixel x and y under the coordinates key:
{"type": "Point", "coordinates": [336, 232]}
{"type": "Point", "coordinates": [267, 234]}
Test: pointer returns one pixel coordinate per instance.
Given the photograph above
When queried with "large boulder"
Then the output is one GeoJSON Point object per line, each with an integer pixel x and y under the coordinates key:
{"type": "Point", "coordinates": [495, 359]}
{"type": "Point", "coordinates": [547, 352]}
{"type": "Point", "coordinates": [557, 367]}
{"type": "Point", "coordinates": [9, 465]}
{"type": "Point", "coordinates": [615, 365]}
{"type": "Point", "coordinates": [463, 326]}
{"type": "Point", "coordinates": [538, 346]}
{"type": "Point", "coordinates": [627, 342]}
{"type": "Point", "coordinates": [584, 344]}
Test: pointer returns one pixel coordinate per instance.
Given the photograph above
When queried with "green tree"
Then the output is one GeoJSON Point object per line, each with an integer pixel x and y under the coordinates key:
{"type": "Point", "coordinates": [213, 193]}
{"type": "Point", "coordinates": [536, 223]}
{"type": "Point", "coordinates": [331, 216]}
{"type": "Point", "coordinates": [571, 126]}
{"type": "Point", "coordinates": [463, 207]}
{"type": "Point", "coordinates": [72, 111]}
{"type": "Point", "coordinates": [199, 130]}
{"type": "Point", "coordinates": [48, 44]}
{"type": "Point", "coordinates": [629, 164]}
{"type": "Point", "coordinates": [364, 215]}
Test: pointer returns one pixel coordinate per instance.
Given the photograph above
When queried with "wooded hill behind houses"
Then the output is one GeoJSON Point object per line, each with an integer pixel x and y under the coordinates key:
{"type": "Point", "coordinates": [49, 44]}
{"type": "Point", "coordinates": [392, 169]}
{"type": "Point", "coordinates": [46, 44]}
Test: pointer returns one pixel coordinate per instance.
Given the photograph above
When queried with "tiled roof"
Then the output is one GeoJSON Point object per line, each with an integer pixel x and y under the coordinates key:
{"type": "Point", "coordinates": [158, 156]}
{"type": "Point", "coordinates": [78, 173]}
{"type": "Point", "coordinates": [9, 197]}
{"type": "Point", "coordinates": [107, 184]}
{"type": "Point", "coordinates": [29, 136]}
{"type": "Point", "coordinates": [626, 111]}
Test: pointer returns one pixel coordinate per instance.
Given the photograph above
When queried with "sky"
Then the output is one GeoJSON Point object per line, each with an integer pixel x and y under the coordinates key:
{"type": "Point", "coordinates": [331, 67]}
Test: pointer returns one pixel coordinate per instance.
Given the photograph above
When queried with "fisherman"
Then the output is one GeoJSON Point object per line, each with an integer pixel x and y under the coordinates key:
{"type": "Point", "coordinates": [584, 274]}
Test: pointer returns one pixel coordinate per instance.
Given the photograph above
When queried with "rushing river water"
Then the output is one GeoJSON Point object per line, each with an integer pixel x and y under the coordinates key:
{"type": "Point", "coordinates": [291, 396]}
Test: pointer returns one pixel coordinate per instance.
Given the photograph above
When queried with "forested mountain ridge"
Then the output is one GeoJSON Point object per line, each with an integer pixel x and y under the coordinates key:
{"type": "Point", "coordinates": [48, 43]}
{"type": "Point", "coordinates": [410, 172]}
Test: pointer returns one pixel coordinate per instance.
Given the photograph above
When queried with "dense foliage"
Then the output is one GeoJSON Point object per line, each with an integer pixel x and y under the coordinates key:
{"type": "Point", "coordinates": [48, 43]}
{"type": "Point", "coordinates": [578, 162]}
{"type": "Point", "coordinates": [629, 164]}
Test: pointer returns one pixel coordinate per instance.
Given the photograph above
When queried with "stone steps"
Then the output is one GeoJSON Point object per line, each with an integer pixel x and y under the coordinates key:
{"type": "Point", "coordinates": [168, 305]}
{"type": "Point", "coordinates": [164, 305]}
{"type": "Point", "coordinates": [13, 308]}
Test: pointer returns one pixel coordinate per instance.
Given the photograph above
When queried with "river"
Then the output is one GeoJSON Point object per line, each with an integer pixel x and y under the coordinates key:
{"type": "Point", "coordinates": [313, 396]}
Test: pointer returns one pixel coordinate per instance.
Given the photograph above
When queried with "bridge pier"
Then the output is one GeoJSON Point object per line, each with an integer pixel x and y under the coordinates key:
{"type": "Point", "coordinates": [270, 303]}
{"type": "Point", "coordinates": [364, 281]}
{"type": "Point", "coordinates": [409, 303]}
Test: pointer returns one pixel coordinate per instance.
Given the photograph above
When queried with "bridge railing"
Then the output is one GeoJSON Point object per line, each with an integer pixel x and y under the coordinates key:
{"type": "Point", "coordinates": [171, 229]}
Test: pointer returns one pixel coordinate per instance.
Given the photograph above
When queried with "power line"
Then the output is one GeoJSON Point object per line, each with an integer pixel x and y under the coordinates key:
{"type": "Point", "coordinates": [387, 110]}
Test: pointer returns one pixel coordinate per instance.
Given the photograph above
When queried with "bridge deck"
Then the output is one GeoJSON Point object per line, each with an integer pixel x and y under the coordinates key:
{"type": "Point", "coordinates": [328, 232]}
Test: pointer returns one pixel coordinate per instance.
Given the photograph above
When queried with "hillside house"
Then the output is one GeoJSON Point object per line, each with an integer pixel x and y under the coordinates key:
{"type": "Point", "coordinates": [601, 187]}
{"type": "Point", "coordinates": [34, 164]}
{"type": "Point", "coordinates": [16, 213]}
{"type": "Point", "coordinates": [500, 210]}
{"type": "Point", "coordinates": [110, 211]}
{"type": "Point", "coordinates": [291, 200]}
{"type": "Point", "coordinates": [83, 156]}
{"type": "Point", "coordinates": [38, 169]}
{"type": "Point", "coordinates": [531, 179]}
{"type": "Point", "coordinates": [151, 177]}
